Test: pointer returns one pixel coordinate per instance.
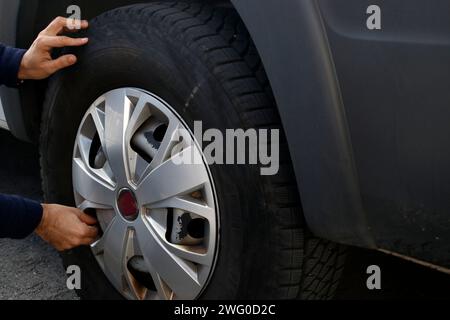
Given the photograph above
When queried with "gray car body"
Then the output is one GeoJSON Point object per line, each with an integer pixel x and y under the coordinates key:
{"type": "Point", "coordinates": [365, 111]}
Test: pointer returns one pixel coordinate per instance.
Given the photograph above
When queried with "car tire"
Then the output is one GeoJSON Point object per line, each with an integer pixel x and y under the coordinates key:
{"type": "Point", "coordinates": [201, 60]}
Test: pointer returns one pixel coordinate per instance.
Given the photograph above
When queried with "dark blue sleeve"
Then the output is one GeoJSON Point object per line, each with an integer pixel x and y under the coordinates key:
{"type": "Point", "coordinates": [18, 217]}
{"type": "Point", "coordinates": [10, 59]}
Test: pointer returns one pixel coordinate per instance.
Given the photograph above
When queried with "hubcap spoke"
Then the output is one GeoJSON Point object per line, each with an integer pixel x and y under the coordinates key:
{"type": "Point", "coordinates": [186, 205]}
{"type": "Point", "coordinates": [167, 144]}
{"type": "Point", "coordinates": [118, 108]}
{"type": "Point", "coordinates": [98, 247]}
{"type": "Point", "coordinates": [90, 186]}
{"type": "Point", "coordinates": [99, 121]}
{"type": "Point", "coordinates": [163, 291]}
{"type": "Point", "coordinates": [171, 179]}
{"type": "Point", "coordinates": [137, 291]}
{"type": "Point", "coordinates": [179, 276]}
{"type": "Point", "coordinates": [140, 114]}
{"type": "Point", "coordinates": [114, 244]}
{"type": "Point", "coordinates": [164, 151]}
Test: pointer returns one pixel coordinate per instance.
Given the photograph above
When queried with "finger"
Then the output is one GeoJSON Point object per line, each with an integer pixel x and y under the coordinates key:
{"type": "Point", "coordinates": [61, 63]}
{"type": "Point", "coordinates": [60, 42]}
{"type": "Point", "coordinates": [88, 240]}
{"type": "Point", "coordinates": [75, 25]}
{"type": "Point", "coordinates": [90, 232]}
{"type": "Point", "coordinates": [89, 220]}
{"type": "Point", "coordinates": [60, 24]}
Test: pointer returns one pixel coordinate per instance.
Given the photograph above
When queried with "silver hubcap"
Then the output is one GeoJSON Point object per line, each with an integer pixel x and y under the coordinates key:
{"type": "Point", "coordinates": [124, 160]}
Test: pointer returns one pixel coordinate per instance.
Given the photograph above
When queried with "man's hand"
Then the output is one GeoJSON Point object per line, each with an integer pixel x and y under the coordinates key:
{"type": "Point", "coordinates": [66, 228]}
{"type": "Point", "coordinates": [37, 63]}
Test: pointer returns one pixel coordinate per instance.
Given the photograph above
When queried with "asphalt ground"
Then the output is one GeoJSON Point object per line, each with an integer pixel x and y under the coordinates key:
{"type": "Point", "coordinates": [31, 270]}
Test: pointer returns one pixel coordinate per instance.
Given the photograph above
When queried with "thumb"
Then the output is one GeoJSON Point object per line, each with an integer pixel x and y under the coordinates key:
{"type": "Point", "coordinates": [62, 62]}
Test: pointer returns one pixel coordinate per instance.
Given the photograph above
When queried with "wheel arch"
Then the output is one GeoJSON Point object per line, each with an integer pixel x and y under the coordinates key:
{"type": "Point", "coordinates": [292, 42]}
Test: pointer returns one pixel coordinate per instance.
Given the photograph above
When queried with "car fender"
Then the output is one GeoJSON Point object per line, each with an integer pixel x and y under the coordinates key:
{"type": "Point", "coordinates": [292, 42]}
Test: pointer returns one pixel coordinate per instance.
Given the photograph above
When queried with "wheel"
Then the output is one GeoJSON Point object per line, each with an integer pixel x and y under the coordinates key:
{"type": "Point", "coordinates": [113, 126]}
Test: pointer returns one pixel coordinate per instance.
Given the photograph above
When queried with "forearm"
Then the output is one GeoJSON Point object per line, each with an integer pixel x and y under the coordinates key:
{"type": "Point", "coordinates": [19, 217]}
